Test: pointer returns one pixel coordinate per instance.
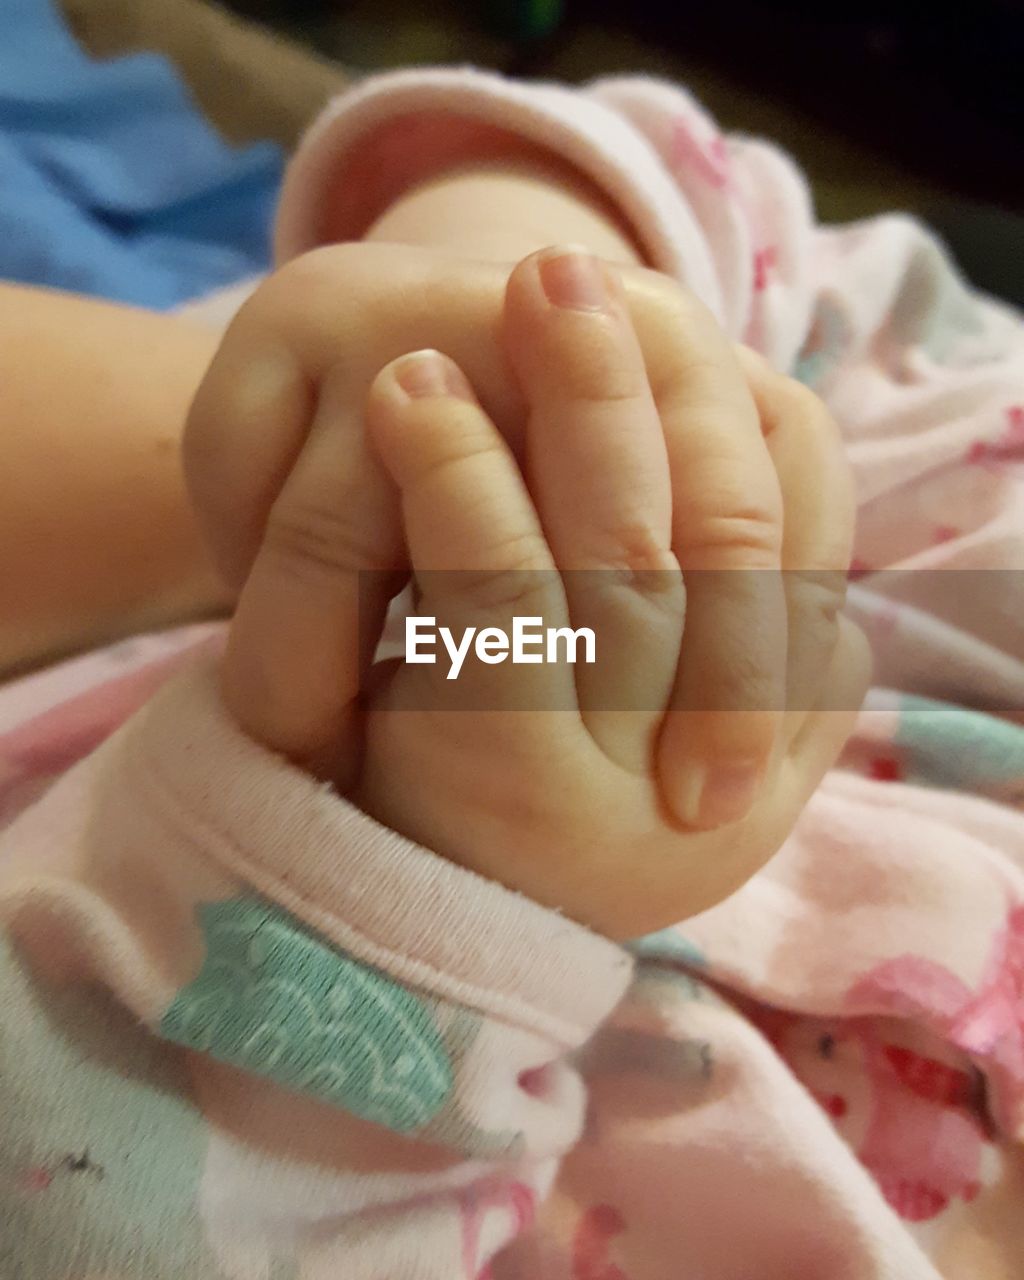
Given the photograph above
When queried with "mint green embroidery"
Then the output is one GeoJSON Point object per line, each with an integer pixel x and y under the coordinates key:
{"type": "Point", "coordinates": [278, 1001]}
{"type": "Point", "coordinates": [824, 346]}
{"type": "Point", "coordinates": [953, 747]}
{"type": "Point", "coordinates": [668, 956]}
{"type": "Point", "coordinates": [668, 944]}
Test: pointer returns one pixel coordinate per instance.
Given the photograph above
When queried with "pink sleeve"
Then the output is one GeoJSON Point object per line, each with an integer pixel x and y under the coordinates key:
{"type": "Point", "coordinates": [398, 128]}
{"type": "Point", "coordinates": [728, 218]}
{"type": "Point", "coordinates": [378, 1041]}
{"type": "Point", "coordinates": [54, 717]}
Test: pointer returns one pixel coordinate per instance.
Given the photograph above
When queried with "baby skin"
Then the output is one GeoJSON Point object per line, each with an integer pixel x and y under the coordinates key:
{"type": "Point", "coordinates": [570, 415]}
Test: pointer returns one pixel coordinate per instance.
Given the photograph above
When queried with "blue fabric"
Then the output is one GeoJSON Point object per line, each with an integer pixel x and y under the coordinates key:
{"type": "Point", "coordinates": [111, 182]}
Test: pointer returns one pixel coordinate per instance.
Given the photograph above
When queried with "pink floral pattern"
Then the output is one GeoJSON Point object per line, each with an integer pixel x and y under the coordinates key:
{"type": "Point", "coordinates": [924, 1139]}
{"type": "Point", "coordinates": [710, 157]}
{"type": "Point", "coordinates": [765, 262]}
{"type": "Point", "coordinates": [987, 1023]}
{"type": "Point", "coordinates": [1009, 447]}
{"type": "Point", "coordinates": [916, 1123]}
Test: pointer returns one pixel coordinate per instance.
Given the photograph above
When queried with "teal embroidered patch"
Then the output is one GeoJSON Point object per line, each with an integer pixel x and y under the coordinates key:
{"type": "Point", "coordinates": [275, 999]}
{"type": "Point", "coordinates": [668, 944]}
{"type": "Point", "coordinates": [954, 747]}
{"type": "Point", "coordinates": [823, 349]}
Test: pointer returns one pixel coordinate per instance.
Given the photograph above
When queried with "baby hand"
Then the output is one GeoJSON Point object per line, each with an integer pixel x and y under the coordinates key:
{"type": "Point", "coordinates": [587, 800]}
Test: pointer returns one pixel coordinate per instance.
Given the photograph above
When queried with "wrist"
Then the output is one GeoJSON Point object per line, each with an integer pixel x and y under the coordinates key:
{"type": "Point", "coordinates": [503, 208]}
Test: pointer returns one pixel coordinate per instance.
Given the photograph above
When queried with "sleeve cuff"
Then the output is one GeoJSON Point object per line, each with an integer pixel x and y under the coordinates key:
{"type": "Point", "coordinates": [201, 788]}
{"type": "Point", "coordinates": [394, 130]}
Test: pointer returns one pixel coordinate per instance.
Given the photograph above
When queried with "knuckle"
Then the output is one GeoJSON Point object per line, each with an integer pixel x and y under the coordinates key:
{"type": "Point", "coordinates": [312, 537]}
{"type": "Point", "coordinates": [822, 592]}
{"type": "Point", "coordinates": [754, 364]}
{"type": "Point", "coordinates": [639, 569]}
{"type": "Point", "coordinates": [509, 575]}
{"type": "Point", "coordinates": [315, 268]}
{"type": "Point", "coordinates": [317, 286]}
{"type": "Point", "coordinates": [636, 552]}
{"type": "Point", "coordinates": [505, 590]}
{"type": "Point", "coordinates": [749, 538]}
{"type": "Point", "coordinates": [448, 440]}
{"type": "Point", "coordinates": [751, 685]}
{"type": "Point", "coordinates": [816, 611]}
{"type": "Point", "coordinates": [800, 400]}
{"type": "Point", "coordinates": [802, 410]}
{"type": "Point", "coordinates": [519, 553]}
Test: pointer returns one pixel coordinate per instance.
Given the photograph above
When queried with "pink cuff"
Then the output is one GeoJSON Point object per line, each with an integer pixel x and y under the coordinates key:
{"type": "Point", "coordinates": [394, 130]}
{"type": "Point", "coordinates": [198, 785]}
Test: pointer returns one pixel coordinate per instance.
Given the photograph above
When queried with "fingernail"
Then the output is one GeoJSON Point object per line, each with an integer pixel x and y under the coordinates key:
{"type": "Point", "coordinates": [574, 279]}
{"type": "Point", "coordinates": [428, 373]}
{"type": "Point", "coordinates": [719, 795]}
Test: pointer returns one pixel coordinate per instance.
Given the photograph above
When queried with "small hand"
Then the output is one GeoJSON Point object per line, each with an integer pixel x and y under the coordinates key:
{"type": "Point", "coordinates": [579, 805]}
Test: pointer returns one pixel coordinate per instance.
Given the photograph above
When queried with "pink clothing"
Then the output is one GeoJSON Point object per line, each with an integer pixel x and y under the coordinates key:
{"type": "Point", "coordinates": [249, 1033]}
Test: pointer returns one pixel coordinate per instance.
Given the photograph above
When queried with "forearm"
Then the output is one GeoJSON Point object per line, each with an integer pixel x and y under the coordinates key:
{"type": "Point", "coordinates": [96, 535]}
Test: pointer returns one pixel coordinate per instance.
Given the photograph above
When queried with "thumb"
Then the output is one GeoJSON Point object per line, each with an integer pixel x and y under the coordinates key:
{"type": "Point", "coordinates": [311, 612]}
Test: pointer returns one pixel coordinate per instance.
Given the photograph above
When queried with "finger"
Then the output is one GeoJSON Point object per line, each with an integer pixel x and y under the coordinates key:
{"type": "Point", "coordinates": [724, 719]}
{"type": "Point", "coordinates": [810, 461]}
{"type": "Point", "coordinates": [825, 730]}
{"type": "Point", "coordinates": [349, 309]}
{"type": "Point", "coordinates": [723, 861]}
{"type": "Point", "coordinates": [477, 548]}
{"type": "Point", "coordinates": [312, 608]}
{"type": "Point", "coordinates": [599, 475]}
